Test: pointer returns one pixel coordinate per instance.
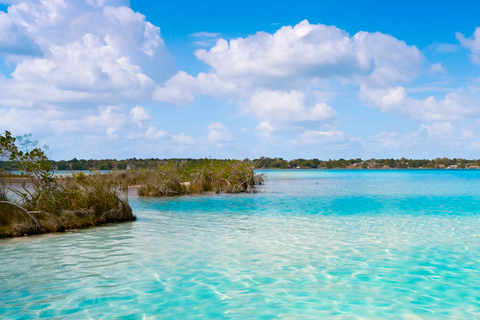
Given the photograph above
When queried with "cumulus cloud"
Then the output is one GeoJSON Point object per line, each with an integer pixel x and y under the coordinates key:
{"type": "Point", "coordinates": [89, 65]}
{"type": "Point", "coordinates": [436, 67]}
{"type": "Point", "coordinates": [99, 121]}
{"type": "Point", "coordinates": [433, 139]}
{"type": "Point", "coordinates": [14, 39]}
{"type": "Point", "coordinates": [154, 134]}
{"type": "Point", "coordinates": [455, 106]}
{"type": "Point", "coordinates": [287, 106]}
{"type": "Point", "coordinates": [81, 50]}
{"type": "Point", "coordinates": [276, 110]}
{"type": "Point", "coordinates": [139, 115]}
{"type": "Point", "coordinates": [182, 139]}
{"type": "Point", "coordinates": [304, 50]}
{"type": "Point", "coordinates": [218, 133]}
{"type": "Point", "coordinates": [182, 88]}
{"type": "Point", "coordinates": [308, 51]}
{"type": "Point", "coordinates": [314, 137]}
{"type": "Point", "coordinates": [393, 60]}
{"type": "Point", "coordinates": [78, 64]}
{"type": "Point", "coordinates": [472, 43]}
{"type": "Point", "coordinates": [275, 76]}
{"type": "Point", "coordinates": [293, 58]}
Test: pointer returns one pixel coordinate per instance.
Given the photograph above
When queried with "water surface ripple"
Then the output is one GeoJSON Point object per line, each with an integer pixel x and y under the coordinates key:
{"type": "Point", "coordinates": [310, 244]}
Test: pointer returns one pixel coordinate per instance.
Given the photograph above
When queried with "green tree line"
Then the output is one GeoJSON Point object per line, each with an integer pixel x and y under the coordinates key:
{"type": "Point", "coordinates": [261, 163]}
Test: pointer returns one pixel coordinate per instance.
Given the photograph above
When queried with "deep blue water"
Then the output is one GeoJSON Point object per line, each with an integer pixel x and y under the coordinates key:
{"type": "Point", "coordinates": [310, 244]}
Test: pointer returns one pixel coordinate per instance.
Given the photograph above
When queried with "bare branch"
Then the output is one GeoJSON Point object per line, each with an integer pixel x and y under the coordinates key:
{"type": "Point", "coordinates": [24, 210]}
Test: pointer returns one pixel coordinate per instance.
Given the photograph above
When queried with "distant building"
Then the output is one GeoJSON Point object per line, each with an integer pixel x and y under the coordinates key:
{"type": "Point", "coordinates": [473, 167]}
{"type": "Point", "coordinates": [453, 166]}
{"type": "Point", "coordinates": [441, 166]}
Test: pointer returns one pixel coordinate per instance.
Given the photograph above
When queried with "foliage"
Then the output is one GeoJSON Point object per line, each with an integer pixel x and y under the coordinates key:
{"type": "Point", "coordinates": [263, 162]}
{"type": "Point", "coordinates": [177, 178]}
{"type": "Point", "coordinates": [52, 206]}
{"type": "Point", "coordinates": [31, 160]}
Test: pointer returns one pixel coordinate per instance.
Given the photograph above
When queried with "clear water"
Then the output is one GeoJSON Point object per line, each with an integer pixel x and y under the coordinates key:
{"type": "Point", "coordinates": [311, 244]}
{"type": "Point", "coordinates": [68, 173]}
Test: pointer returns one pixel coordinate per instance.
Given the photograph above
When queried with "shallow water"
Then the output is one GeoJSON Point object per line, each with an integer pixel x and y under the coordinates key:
{"type": "Point", "coordinates": [310, 244]}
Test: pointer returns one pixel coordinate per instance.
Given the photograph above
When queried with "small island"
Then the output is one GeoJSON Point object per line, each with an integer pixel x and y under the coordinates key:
{"type": "Point", "coordinates": [44, 202]}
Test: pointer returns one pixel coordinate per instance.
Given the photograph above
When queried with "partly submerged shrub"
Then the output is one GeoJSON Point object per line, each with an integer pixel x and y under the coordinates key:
{"type": "Point", "coordinates": [53, 206]}
{"type": "Point", "coordinates": [73, 204]}
{"type": "Point", "coordinates": [173, 178]}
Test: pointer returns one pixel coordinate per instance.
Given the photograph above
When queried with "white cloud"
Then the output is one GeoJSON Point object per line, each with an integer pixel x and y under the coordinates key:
{"type": "Point", "coordinates": [433, 139]}
{"type": "Point", "coordinates": [287, 106]}
{"type": "Point", "coordinates": [90, 65]}
{"type": "Point", "coordinates": [304, 50]}
{"type": "Point", "coordinates": [444, 47]}
{"type": "Point", "coordinates": [217, 126]}
{"type": "Point", "coordinates": [392, 60]}
{"type": "Point", "coordinates": [276, 76]}
{"type": "Point", "coordinates": [266, 126]}
{"type": "Point", "coordinates": [205, 39]}
{"type": "Point", "coordinates": [218, 133]}
{"type": "Point", "coordinates": [110, 117]}
{"type": "Point", "coordinates": [307, 51]}
{"type": "Point", "coordinates": [182, 139]}
{"type": "Point", "coordinates": [436, 67]}
{"type": "Point", "coordinates": [83, 51]}
{"type": "Point", "coordinates": [313, 137]}
{"type": "Point", "coordinates": [472, 43]}
{"type": "Point", "coordinates": [139, 115]}
{"type": "Point", "coordinates": [455, 106]}
{"type": "Point", "coordinates": [49, 120]}
{"type": "Point", "coordinates": [182, 88]}
{"type": "Point", "coordinates": [294, 58]}
{"type": "Point", "coordinates": [438, 128]}
{"type": "Point", "coordinates": [154, 134]}
{"type": "Point", "coordinates": [14, 38]}
{"type": "Point", "coordinates": [77, 66]}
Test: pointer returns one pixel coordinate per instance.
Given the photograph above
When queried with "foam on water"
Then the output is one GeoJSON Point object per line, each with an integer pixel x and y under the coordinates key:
{"type": "Point", "coordinates": [311, 244]}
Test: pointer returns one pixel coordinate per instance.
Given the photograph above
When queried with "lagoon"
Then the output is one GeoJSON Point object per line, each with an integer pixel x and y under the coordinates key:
{"type": "Point", "coordinates": [401, 244]}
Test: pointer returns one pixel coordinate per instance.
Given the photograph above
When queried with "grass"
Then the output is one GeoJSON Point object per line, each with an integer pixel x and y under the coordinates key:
{"type": "Point", "coordinates": [74, 203]}
{"type": "Point", "coordinates": [95, 199]}
{"type": "Point", "coordinates": [180, 178]}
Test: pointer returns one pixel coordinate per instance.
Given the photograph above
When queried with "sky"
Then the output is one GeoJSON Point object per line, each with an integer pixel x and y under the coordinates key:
{"type": "Point", "coordinates": [326, 79]}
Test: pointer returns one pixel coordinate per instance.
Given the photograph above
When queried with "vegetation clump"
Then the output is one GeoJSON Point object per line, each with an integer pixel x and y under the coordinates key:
{"type": "Point", "coordinates": [175, 178]}
{"type": "Point", "coordinates": [48, 205]}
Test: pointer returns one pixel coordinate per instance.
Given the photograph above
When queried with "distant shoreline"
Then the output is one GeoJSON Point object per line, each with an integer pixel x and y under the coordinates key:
{"type": "Point", "coordinates": [105, 165]}
{"type": "Point", "coordinates": [365, 169]}
{"type": "Point", "coordinates": [18, 179]}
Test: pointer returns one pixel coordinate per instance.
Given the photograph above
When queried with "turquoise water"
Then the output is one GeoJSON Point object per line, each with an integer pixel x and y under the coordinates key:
{"type": "Point", "coordinates": [311, 244]}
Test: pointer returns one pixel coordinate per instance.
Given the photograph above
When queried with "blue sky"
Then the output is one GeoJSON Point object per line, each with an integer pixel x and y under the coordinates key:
{"type": "Point", "coordinates": [236, 79]}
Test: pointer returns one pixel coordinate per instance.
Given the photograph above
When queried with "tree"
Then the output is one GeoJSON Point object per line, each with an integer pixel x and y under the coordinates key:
{"type": "Point", "coordinates": [7, 143]}
{"type": "Point", "coordinates": [32, 160]}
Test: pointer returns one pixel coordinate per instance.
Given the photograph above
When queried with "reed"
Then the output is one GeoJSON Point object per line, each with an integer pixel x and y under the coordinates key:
{"type": "Point", "coordinates": [74, 203]}
{"type": "Point", "coordinates": [179, 178]}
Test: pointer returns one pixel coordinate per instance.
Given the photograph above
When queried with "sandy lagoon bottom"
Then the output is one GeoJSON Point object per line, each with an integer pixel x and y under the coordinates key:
{"type": "Point", "coordinates": [312, 244]}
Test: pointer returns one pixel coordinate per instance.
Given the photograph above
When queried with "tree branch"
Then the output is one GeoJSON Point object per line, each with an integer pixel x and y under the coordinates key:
{"type": "Point", "coordinates": [24, 210]}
